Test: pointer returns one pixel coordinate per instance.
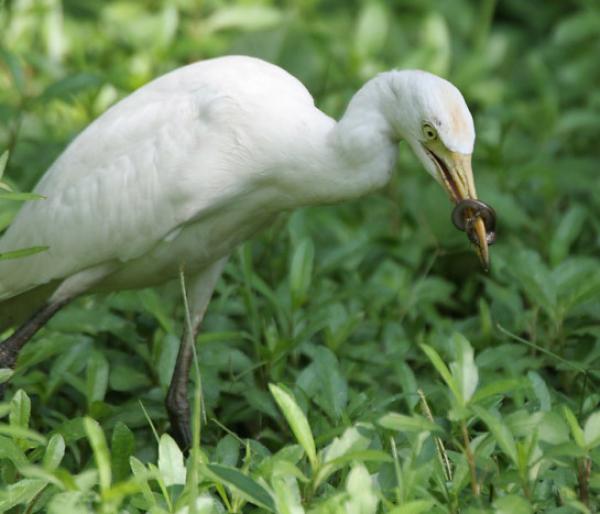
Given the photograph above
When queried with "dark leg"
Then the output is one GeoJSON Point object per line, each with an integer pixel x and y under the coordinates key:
{"type": "Point", "coordinates": [199, 293]}
{"type": "Point", "coordinates": [9, 349]}
{"type": "Point", "coordinates": [178, 407]}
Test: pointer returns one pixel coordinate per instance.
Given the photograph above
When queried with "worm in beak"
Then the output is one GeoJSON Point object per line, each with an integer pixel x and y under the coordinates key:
{"type": "Point", "coordinates": [478, 220]}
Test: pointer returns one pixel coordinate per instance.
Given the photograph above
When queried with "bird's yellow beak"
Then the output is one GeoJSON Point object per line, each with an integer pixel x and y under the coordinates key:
{"type": "Point", "coordinates": [476, 218]}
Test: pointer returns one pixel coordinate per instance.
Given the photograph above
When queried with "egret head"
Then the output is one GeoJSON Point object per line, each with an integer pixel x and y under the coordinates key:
{"type": "Point", "coordinates": [435, 120]}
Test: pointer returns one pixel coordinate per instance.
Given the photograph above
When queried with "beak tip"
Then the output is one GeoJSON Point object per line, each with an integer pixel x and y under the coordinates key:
{"type": "Point", "coordinates": [485, 264]}
{"type": "Point", "coordinates": [482, 245]}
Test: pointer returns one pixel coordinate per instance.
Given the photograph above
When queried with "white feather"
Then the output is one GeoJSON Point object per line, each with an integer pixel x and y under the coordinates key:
{"type": "Point", "coordinates": [184, 169]}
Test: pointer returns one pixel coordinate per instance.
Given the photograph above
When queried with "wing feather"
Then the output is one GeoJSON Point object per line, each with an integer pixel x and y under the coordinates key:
{"type": "Point", "coordinates": [120, 187]}
{"type": "Point", "coordinates": [186, 143]}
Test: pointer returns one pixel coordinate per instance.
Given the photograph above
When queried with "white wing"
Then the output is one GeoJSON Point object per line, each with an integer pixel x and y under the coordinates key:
{"type": "Point", "coordinates": [145, 167]}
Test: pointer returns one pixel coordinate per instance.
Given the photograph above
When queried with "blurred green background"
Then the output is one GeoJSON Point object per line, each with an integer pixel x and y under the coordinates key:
{"type": "Point", "coordinates": [338, 295]}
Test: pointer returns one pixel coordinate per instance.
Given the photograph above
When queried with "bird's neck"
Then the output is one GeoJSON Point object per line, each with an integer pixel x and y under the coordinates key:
{"type": "Point", "coordinates": [356, 155]}
{"type": "Point", "coordinates": [364, 140]}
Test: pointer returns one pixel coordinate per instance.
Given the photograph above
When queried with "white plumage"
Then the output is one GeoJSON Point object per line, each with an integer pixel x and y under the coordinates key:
{"type": "Point", "coordinates": [199, 159]}
{"type": "Point", "coordinates": [185, 168]}
{"type": "Point", "coordinates": [167, 157]}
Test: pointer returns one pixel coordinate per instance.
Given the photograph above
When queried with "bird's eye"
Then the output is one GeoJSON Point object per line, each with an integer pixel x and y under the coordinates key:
{"type": "Point", "coordinates": [429, 132]}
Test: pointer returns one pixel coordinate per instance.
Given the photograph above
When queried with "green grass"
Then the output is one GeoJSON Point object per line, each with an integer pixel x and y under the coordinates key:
{"type": "Point", "coordinates": [354, 358]}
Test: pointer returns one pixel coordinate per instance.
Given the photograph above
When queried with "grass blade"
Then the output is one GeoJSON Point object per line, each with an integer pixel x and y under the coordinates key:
{"type": "Point", "coordinates": [296, 420]}
{"type": "Point", "coordinates": [99, 447]}
{"type": "Point", "coordinates": [246, 485]}
{"type": "Point", "coordinates": [17, 254]}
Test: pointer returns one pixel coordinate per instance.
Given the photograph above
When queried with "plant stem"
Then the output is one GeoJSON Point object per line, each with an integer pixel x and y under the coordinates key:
{"type": "Point", "coordinates": [470, 460]}
{"type": "Point", "coordinates": [439, 444]}
{"type": "Point", "coordinates": [583, 478]}
{"type": "Point", "coordinates": [486, 15]}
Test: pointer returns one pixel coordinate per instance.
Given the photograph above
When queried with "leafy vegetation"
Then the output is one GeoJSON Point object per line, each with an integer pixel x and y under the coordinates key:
{"type": "Point", "coordinates": [354, 358]}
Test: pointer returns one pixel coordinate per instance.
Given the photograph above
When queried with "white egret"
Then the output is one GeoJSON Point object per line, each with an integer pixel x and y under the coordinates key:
{"type": "Point", "coordinates": [185, 168]}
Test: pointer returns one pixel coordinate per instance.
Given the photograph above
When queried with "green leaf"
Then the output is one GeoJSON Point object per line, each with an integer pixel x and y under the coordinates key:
{"type": "Point", "coordinates": [541, 390]}
{"type": "Point", "coordinates": [227, 451]}
{"type": "Point", "coordinates": [20, 409]}
{"type": "Point", "coordinates": [591, 431]}
{"type": "Point", "coordinates": [536, 280]}
{"type": "Point", "coordinates": [17, 254]}
{"type": "Point", "coordinates": [323, 382]}
{"type": "Point", "coordinates": [96, 377]}
{"type": "Point", "coordinates": [141, 476]}
{"type": "Point", "coordinates": [20, 493]}
{"type": "Point", "coordinates": [69, 86]}
{"type": "Point", "coordinates": [288, 499]}
{"type": "Point", "coordinates": [512, 504]}
{"type": "Point", "coordinates": [576, 431]}
{"type": "Point", "coordinates": [155, 305]}
{"type": "Point", "coordinates": [55, 451]}
{"type": "Point", "coordinates": [443, 370]}
{"type": "Point", "coordinates": [9, 450]}
{"type": "Point", "coordinates": [49, 476]}
{"type": "Point", "coordinates": [99, 447]}
{"type": "Point", "coordinates": [170, 461]}
{"type": "Point", "coordinates": [331, 466]}
{"type": "Point", "coordinates": [122, 447]}
{"type": "Point", "coordinates": [301, 271]}
{"type": "Point", "coordinates": [402, 423]}
{"type": "Point", "coordinates": [500, 431]}
{"type": "Point", "coordinates": [464, 370]}
{"type": "Point", "coordinates": [22, 433]}
{"type": "Point", "coordinates": [352, 442]}
{"type": "Point", "coordinates": [127, 378]}
{"type": "Point", "coordinates": [372, 28]}
{"type": "Point", "coordinates": [71, 502]}
{"type": "Point", "coordinates": [577, 281]}
{"type": "Point", "coordinates": [245, 17]}
{"type": "Point", "coordinates": [247, 486]}
{"type": "Point", "coordinates": [296, 420]}
{"type": "Point", "coordinates": [20, 197]}
{"type": "Point", "coordinates": [204, 504]}
{"type": "Point", "coordinates": [553, 429]}
{"type": "Point", "coordinates": [576, 28]}
{"type": "Point", "coordinates": [5, 374]}
{"type": "Point", "coordinates": [414, 507]}
{"type": "Point", "coordinates": [498, 387]}
{"type": "Point", "coordinates": [278, 465]}
{"type": "Point", "coordinates": [3, 162]}
{"type": "Point", "coordinates": [72, 429]}
{"type": "Point", "coordinates": [566, 233]}
{"type": "Point", "coordinates": [15, 68]}
{"type": "Point", "coordinates": [361, 492]}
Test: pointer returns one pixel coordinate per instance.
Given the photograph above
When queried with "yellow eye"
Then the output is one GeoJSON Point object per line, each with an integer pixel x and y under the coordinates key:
{"type": "Point", "coordinates": [429, 132]}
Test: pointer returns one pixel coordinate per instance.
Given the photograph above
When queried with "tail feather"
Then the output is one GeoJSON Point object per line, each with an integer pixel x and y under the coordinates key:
{"type": "Point", "coordinates": [16, 310]}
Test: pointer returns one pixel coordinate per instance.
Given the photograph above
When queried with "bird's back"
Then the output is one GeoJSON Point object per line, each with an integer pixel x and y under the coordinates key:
{"type": "Point", "coordinates": [152, 162]}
